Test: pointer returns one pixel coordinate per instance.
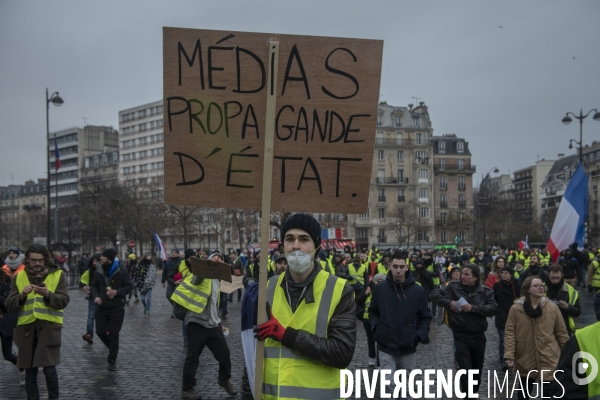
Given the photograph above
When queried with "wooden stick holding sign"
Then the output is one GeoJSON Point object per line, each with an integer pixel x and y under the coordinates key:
{"type": "Point", "coordinates": [266, 209]}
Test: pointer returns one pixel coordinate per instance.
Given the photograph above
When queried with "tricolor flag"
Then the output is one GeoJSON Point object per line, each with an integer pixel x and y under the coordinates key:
{"type": "Point", "coordinates": [160, 245]}
{"type": "Point", "coordinates": [56, 156]}
{"type": "Point", "coordinates": [569, 225]}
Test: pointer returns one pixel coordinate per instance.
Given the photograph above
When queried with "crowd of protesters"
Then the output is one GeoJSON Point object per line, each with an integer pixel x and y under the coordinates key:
{"type": "Point", "coordinates": [396, 293]}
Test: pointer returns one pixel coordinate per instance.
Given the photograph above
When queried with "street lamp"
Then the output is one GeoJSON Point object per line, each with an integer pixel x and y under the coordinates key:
{"type": "Point", "coordinates": [495, 170]}
{"type": "Point", "coordinates": [567, 120]}
{"type": "Point", "coordinates": [57, 101]}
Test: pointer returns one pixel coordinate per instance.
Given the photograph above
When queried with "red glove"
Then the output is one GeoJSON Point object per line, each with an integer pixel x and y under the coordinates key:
{"type": "Point", "coordinates": [270, 329]}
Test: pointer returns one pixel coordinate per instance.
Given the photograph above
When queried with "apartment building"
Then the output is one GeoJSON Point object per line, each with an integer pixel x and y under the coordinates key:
{"type": "Point", "coordinates": [400, 207]}
{"type": "Point", "coordinates": [141, 145]}
{"type": "Point", "coordinates": [453, 185]}
{"type": "Point", "coordinates": [527, 184]}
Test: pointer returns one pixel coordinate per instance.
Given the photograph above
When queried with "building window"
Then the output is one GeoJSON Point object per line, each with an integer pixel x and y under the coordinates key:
{"type": "Point", "coordinates": [96, 161]}
{"type": "Point", "coordinates": [400, 155]}
{"type": "Point", "coordinates": [462, 236]}
{"type": "Point", "coordinates": [362, 233]}
{"type": "Point", "coordinates": [381, 236]}
{"type": "Point", "coordinates": [364, 215]}
{"type": "Point", "coordinates": [461, 201]}
{"type": "Point", "coordinates": [424, 212]}
{"type": "Point", "coordinates": [442, 163]}
{"type": "Point", "coordinates": [380, 155]}
{"type": "Point", "coordinates": [400, 175]}
{"type": "Point", "coordinates": [415, 119]}
{"type": "Point", "coordinates": [115, 158]}
{"type": "Point", "coordinates": [442, 146]}
{"type": "Point", "coordinates": [420, 157]}
{"type": "Point", "coordinates": [398, 121]}
{"type": "Point", "coordinates": [423, 174]}
{"type": "Point", "coordinates": [444, 237]}
{"type": "Point", "coordinates": [443, 217]}
{"type": "Point", "coordinates": [401, 197]}
{"type": "Point", "coordinates": [422, 236]}
{"type": "Point", "coordinates": [461, 164]}
{"type": "Point", "coordinates": [104, 159]}
{"type": "Point", "coordinates": [444, 200]}
{"type": "Point", "coordinates": [461, 216]}
{"type": "Point", "coordinates": [381, 197]}
{"type": "Point", "coordinates": [380, 175]}
{"type": "Point", "coordinates": [419, 135]}
{"type": "Point", "coordinates": [461, 183]}
{"type": "Point", "coordinates": [379, 117]}
{"type": "Point", "coordinates": [460, 147]}
{"type": "Point", "coordinates": [382, 213]}
{"type": "Point", "coordinates": [87, 163]}
{"type": "Point", "coordinates": [423, 193]}
{"type": "Point", "coordinates": [443, 183]}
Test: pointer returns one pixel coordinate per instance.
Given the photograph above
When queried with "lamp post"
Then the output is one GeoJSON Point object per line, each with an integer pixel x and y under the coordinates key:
{"type": "Point", "coordinates": [567, 120]}
{"type": "Point", "coordinates": [57, 101]}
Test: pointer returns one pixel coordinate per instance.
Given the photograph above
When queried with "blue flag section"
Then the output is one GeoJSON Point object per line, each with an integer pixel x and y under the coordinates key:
{"type": "Point", "coordinates": [249, 314]}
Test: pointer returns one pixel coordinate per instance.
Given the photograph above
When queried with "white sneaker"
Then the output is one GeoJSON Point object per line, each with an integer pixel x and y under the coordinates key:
{"type": "Point", "coordinates": [22, 379]}
{"type": "Point", "coordinates": [372, 362]}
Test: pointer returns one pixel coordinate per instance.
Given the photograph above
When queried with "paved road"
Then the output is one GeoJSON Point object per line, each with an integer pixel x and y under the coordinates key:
{"type": "Point", "coordinates": [151, 355]}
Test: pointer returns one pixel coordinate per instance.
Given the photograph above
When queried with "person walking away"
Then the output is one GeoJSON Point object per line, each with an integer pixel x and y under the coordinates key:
{"type": "Point", "coordinates": [144, 277]}
{"type": "Point", "coordinates": [312, 321]}
{"type": "Point", "coordinates": [13, 263]}
{"type": "Point", "coordinates": [39, 294]}
{"type": "Point", "coordinates": [172, 264]}
{"type": "Point", "coordinates": [110, 286]}
{"type": "Point", "coordinates": [200, 297]}
{"type": "Point", "coordinates": [534, 325]}
{"type": "Point", "coordinates": [130, 264]}
{"type": "Point", "coordinates": [238, 270]}
{"type": "Point", "coordinates": [494, 275]}
{"type": "Point", "coordinates": [506, 291]}
{"type": "Point", "coordinates": [564, 296]}
{"type": "Point", "coordinates": [400, 316]}
{"type": "Point", "coordinates": [86, 278]}
{"type": "Point", "coordinates": [363, 301]}
{"type": "Point", "coordinates": [468, 324]}
{"type": "Point", "coordinates": [8, 323]}
{"type": "Point", "coordinates": [434, 270]}
{"type": "Point", "coordinates": [571, 267]}
{"type": "Point", "coordinates": [356, 271]}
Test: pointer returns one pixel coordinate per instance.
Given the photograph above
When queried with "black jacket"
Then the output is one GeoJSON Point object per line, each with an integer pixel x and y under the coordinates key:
{"type": "Point", "coordinates": [505, 296]}
{"type": "Point", "coordinates": [534, 271]}
{"type": "Point", "coordinates": [570, 267]}
{"type": "Point", "coordinates": [424, 278]}
{"type": "Point", "coordinates": [567, 388]}
{"type": "Point", "coordinates": [560, 292]}
{"type": "Point", "coordinates": [171, 268]}
{"type": "Point", "coordinates": [399, 315]}
{"type": "Point", "coordinates": [482, 300]}
{"type": "Point", "coordinates": [597, 305]}
{"type": "Point", "coordinates": [119, 281]}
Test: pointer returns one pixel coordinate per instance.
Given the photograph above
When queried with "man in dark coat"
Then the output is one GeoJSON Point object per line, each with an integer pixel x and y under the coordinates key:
{"type": "Point", "coordinates": [38, 341]}
{"type": "Point", "coordinates": [399, 316]}
{"type": "Point", "coordinates": [564, 296]}
{"type": "Point", "coordinates": [506, 291]}
{"type": "Point", "coordinates": [469, 323]}
{"type": "Point", "coordinates": [110, 286]}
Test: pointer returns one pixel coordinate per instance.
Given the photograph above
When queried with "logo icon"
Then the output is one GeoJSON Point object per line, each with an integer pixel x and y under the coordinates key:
{"type": "Point", "coordinates": [588, 365]}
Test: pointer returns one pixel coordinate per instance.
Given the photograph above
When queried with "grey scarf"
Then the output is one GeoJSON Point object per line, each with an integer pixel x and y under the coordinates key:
{"type": "Point", "coordinates": [14, 264]}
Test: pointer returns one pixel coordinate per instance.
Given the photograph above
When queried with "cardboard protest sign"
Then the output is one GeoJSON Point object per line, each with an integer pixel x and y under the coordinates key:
{"type": "Point", "coordinates": [210, 269]}
{"type": "Point", "coordinates": [230, 287]}
{"type": "Point", "coordinates": [215, 90]}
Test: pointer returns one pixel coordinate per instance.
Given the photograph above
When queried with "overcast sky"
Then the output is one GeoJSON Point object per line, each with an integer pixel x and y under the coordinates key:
{"type": "Point", "coordinates": [502, 75]}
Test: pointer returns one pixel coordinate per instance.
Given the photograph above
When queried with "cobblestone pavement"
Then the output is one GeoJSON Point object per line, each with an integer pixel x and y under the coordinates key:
{"type": "Point", "coordinates": [151, 355]}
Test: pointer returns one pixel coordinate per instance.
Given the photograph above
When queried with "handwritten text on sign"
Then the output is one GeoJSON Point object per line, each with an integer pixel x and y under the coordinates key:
{"type": "Point", "coordinates": [215, 90]}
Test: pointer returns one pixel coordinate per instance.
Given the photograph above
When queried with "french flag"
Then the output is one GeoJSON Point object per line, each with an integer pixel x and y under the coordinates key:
{"type": "Point", "coordinates": [160, 245]}
{"type": "Point", "coordinates": [569, 225]}
{"type": "Point", "coordinates": [56, 156]}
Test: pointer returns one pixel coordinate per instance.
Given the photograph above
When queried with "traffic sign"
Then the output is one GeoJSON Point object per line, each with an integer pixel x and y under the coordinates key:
{"type": "Point", "coordinates": [131, 244]}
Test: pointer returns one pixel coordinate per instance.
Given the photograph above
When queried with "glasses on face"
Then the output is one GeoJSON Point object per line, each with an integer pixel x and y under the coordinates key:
{"type": "Point", "coordinates": [36, 260]}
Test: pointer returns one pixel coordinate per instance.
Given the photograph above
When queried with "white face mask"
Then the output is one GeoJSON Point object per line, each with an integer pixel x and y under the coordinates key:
{"type": "Point", "coordinates": [299, 261]}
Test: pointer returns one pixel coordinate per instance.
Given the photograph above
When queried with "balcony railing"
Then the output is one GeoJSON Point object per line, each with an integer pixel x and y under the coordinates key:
{"type": "Point", "coordinates": [467, 169]}
{"type": "Point", "coordinates": [401, 142]}
{"type": "Point", "coordinates": [381, 199]}
{"type": "Point", "coordinates": [401, 199]}
{"type": "Point", "coordinates": [462, 204]}
{"type": "Point", "coordinates": [440, 222]}
{"type": "Point", "coordinates": [462, 187]}
{"type": "Point", "coordinates": [443, 186]}
{"type": "Point", "coordinates": [392, 181]}
{"type": "Point", "coordinates": [443, 204]}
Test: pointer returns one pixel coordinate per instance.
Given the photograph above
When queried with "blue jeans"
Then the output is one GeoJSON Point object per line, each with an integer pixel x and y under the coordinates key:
{"type": "Point", "coordinates": [146, 299]}
{"type": "Point", "coordinates": [501, 345]}
{"type": "Point", "coordinates": [91, 316]}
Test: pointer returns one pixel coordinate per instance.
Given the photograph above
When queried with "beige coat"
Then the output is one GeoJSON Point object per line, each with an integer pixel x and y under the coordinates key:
{"type": "Point", "coordinates": [534, 343]}
{"type": "Point", "coordinates": [47, 352]}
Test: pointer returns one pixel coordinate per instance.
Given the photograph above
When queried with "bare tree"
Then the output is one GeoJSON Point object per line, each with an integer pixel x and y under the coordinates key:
{"type": "Point", "coordinates": [403, 222]}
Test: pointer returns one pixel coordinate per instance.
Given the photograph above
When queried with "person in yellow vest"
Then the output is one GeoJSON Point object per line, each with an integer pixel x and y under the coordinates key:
{"type": "Point", "coordinates": [324, 262]}
{"type": "Point", "coordinates": [384, 265]}
{"type": "Point", "coordinates": [39, 294]}
{"type": "Point", "coordinates": [87, 284]}
{"type": "Point", "coordinates": [199, 300]}
{"type": "Point", "coordinates": [572, 377]}
{"type": "Point", "coordinates": [253, 270]}
{"type": "Point", "coordinates": [311, 331]}
{"type": "Point", "coordinates": [525, 257]}
{"type": "Point", "coordinates": [363, 301]}
{"type": "Point", "coordinates": [110, 286]}
{"type": "Point", "coordinates": [545, 259]}
{"type": "Point", "coordinates": [356, 271]}
{"type": "Point", "coordinates": [564, 296]}
{"type": "Point", "coordinates": [593, 275]}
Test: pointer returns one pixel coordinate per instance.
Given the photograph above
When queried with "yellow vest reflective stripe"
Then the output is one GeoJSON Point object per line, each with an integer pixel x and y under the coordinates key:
{"type": "Point", "coordinates": [436, 280]}
{"type": "Point", "coordinates": [192, 297]}
{"type": "Point", "coordinates": [360, 278]}
{"type": "Point", "coordinates": [573, 296]}
{"type": "Point", "coordinates": [85, 278]}
{"type": "Point", "coordinates": [367, 304]}
{"type": "Point", "coordinates": [544, 260]}
{"type": "Point", "coordinates": [326, 266]}
{"type": "Point", "coordinates": [286, 374]}
{"type": "Point", "coordinates": [587, 338]}
{"type": "Point", "coordinates": [183, 269]}
{"type": "Point", "coordinates": [596, 277]}
{"type": "Point", "coordinates": [34, 307]}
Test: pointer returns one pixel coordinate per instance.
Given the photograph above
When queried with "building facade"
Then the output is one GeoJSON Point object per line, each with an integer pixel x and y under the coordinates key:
{"type": "Point", "coordinates": [453, 186]}
{"type": "Point", "coordinates": [141, 145]}
{"type": "Point", "coordinates": [527, 184]}
{"type": "Point", "coordinates": [400, 208]}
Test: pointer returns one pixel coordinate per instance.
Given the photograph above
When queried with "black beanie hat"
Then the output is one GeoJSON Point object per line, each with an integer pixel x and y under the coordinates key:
{"type": "Point", "coordinates": [509, 269]}
{"type": "Point", "coordinates": [306, 223]}
{"type": "Point", "coordinates": [111, 254]}
{"type": "Point", "coordinates": [189, 253]}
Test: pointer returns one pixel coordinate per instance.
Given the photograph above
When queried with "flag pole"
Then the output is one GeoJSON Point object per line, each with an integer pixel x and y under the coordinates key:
{"type": "Point", "coordinates": [266, 208]}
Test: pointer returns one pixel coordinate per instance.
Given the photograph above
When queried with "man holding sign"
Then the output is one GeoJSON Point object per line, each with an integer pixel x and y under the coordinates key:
{"type": "Point", "coordinates": [203, 326]}
{"type": "Point", "coordinates": [311, 332]}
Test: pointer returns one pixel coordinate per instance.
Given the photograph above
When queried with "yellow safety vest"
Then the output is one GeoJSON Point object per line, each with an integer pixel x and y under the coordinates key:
{"type": "Point", "coordinates": [587, 338]}
{"type": "Point", "coordinates": [85, 278]}
{"type": "Point", "coordinates": [192, 297]}
{"type": "Point", "coordinates": [596, 277]}
{"type": "Point", "coordinates": [325, 266]}
{"type": "Point", "coordinates": [270, 267]}
{"type": "Point", "coordinates": [34, 307]}
{"type": "Point", "coordinates": [360, 278]}
{"type": "Point", "coordinates": [382, 269]}
{"type": "Point", "coordinates": [436, 280]}
{"type": "Point", "coordinates": [545, 260]}
{"type": "Point", "coordinates": [573, 296]}
{"type": "Point", "coordinates": [183, 269]}
{"type": "Point", "coordinates": [286, 374]}
{"type": "Point", "coordinates": [367, 304]}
